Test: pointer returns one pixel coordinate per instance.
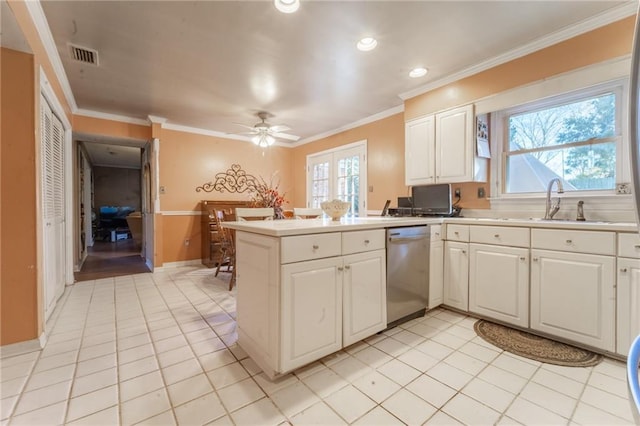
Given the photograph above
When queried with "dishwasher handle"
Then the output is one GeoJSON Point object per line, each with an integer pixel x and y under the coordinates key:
{"type": "Point", "coordinates": [393, 239]}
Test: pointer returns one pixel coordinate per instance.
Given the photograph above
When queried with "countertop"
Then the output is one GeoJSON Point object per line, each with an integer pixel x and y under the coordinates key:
{"type": "Point", "coordinates": [281, 228]}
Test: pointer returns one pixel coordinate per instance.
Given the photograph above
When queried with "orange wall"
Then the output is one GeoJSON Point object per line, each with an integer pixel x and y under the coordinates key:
{"type": "Point", "coordinates": [188, 160]}
{"type": "Point", "coordinates": [18, 276]}
{"type": "Point", "coordinates": [385, 164]}
{"type": "Point", "coordinates": [116, 129]}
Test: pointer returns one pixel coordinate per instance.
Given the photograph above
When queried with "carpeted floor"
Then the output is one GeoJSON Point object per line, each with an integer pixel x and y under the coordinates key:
{"type": "Point", "coordinates": [535, 347]}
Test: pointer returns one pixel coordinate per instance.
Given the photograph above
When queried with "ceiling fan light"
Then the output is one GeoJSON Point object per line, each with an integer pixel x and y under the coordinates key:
{"type": "Point", "coordinates": [418, 72]}
{"type": "Point", "coordinates": [270, 139]}
{"type": "Point", "coordinates": [287, 6]}
{"type": "Point", "coordinates": [366, 44]}
{"type": "Point", "coordinates": [256, 139]}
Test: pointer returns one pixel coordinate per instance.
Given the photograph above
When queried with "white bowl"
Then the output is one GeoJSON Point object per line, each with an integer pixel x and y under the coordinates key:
{"type": "Point", "coordinates": [335, 208]}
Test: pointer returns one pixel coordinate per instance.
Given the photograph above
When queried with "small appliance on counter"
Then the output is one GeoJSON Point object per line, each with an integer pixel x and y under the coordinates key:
{"type": "Point", "coordinates": [427, 200]}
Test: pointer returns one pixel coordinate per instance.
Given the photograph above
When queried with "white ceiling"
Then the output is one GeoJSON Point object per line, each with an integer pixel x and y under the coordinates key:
{"type": "Point", "coordinates": [210, 64]}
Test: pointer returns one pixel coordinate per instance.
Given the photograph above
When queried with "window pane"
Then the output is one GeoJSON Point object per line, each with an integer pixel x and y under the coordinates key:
{"type": "Point", "coordinates": [574, 122]}
{"type": "Point", "coordinates": [590, 167]}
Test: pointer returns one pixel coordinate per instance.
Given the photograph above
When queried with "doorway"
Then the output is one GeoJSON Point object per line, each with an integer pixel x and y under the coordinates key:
{"type": "Point", "coordinates": [110, 206]}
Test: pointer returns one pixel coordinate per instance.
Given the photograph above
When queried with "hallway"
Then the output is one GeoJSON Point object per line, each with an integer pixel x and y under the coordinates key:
{"type": "Point", "coordinates": [112, 259]}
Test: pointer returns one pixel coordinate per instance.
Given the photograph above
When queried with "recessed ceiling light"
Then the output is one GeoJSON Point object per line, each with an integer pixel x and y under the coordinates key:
{"type": "Point", "coordinates": [367, 43]}
{"type": "Point", "coordinates": [418, 72]}
{"type": "Point", "coordinates": [287, 6]}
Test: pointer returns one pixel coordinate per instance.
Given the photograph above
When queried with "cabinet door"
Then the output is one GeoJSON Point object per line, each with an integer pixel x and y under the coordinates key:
{"type": "Point", "coordinates": [419, 151]}
{"type": "Point", "coordinates": [454, 152]}
{"type": "Point", "coordinates": [311, 311]}
{"type": "Point", "coordinates": [456, 275]}
{"type": "Point", "coordinates": [573, 296]}
{"type": "Point", "coordinates": [499, 283]}
{"type": "Point", "coordinates": [628, 296]}
{"type": "Point", "coordinates": [436, 274]}
{"type": "Point", "coordinates": [364, 292]}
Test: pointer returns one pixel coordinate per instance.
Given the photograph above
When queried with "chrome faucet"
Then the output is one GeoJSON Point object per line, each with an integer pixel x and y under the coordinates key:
{"type": "Point", "coordinates": [552, 209]}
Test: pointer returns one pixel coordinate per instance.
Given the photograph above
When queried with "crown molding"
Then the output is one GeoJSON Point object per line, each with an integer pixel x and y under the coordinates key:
{"type": "Point", "coordinates": [44, 32]}
{"type": "Point", "coordinates": [612, 15]}
{"type": "Point", "coordinates": [153, 119]}
{"type": "Point", "coordinates": [111, 117]}
{"type": "Point", "coordinates": [375, 117]}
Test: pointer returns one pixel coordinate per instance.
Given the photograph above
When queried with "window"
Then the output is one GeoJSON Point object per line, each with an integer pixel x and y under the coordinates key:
{"type": "Point", "coordinates": [575, 137]}
{"type": "Point", "coordinates": [339, 173]}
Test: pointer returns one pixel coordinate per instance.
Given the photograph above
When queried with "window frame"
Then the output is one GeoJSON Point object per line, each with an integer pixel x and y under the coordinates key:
{"type": "Point", "coordinates": [500, 128]}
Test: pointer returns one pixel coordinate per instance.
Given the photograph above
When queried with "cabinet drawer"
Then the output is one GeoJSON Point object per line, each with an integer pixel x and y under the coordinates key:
{"type": "Point", "coordinates": [458, 233]}
{"type": "Point", "coordinates": [306, 247]}
{"type": "Point", "coordinates": [500, 235]}
{"type": "Point", "coordinates": [359, 241]}
{"type": "Point", "coordinates": [574, 241]}
{"type": "Point", "coordinates": [629, 245]}
{"type": "Point", "coordinates": [436, 232]}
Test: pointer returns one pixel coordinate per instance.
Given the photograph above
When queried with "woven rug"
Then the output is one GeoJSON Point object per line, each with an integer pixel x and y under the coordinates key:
{"type": "Point", "coordinates": [535, 347]}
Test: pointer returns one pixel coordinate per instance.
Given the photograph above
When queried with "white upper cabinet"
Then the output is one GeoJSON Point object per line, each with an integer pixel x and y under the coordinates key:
{"type": "Point", "coordinates": [419, 151]}
{"type": "Point", "coordinates": [440, 148]}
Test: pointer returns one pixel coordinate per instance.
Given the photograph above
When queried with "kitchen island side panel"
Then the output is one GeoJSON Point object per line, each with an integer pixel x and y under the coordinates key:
{"type": "Point", "coordinates": [258, 301]}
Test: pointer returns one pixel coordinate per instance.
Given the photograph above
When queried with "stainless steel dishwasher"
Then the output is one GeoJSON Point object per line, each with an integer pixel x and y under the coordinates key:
{"type": "Point", "coordinates": [407, 273]}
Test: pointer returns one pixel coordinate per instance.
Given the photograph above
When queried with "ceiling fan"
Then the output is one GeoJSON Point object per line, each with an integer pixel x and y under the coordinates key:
{"type": "Point", "coordinates": [265, 134]}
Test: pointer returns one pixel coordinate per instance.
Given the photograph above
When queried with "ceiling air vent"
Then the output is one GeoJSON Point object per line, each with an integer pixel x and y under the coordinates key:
{"type": "Point", "coordinates": [84, 55]}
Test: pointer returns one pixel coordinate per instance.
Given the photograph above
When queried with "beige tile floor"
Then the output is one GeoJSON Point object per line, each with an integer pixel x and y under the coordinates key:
{"type": "Point", "coordinates": [161, 349]}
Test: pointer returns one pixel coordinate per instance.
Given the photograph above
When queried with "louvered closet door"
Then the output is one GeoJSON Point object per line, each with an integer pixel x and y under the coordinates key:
{"type": "Point", "coordinates": [52, 140]}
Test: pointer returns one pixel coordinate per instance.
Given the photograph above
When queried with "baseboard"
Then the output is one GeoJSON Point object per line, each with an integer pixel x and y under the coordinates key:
{"type": "Point", "coordinates": [171, 265]}
{"type": "Point", "coordinates": [22, 348]}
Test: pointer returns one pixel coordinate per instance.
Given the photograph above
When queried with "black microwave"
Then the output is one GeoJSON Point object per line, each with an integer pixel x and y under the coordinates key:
{"type": "Point", "coordinates": [432, 199]}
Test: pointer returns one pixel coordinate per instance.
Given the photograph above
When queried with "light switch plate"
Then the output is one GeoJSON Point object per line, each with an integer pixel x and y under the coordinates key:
{"type": "Point", "coordinates": [623, 188]}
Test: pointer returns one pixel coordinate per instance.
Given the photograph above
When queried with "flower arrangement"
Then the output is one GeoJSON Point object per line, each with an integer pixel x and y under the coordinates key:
{"type": "Point", "coordinates": [269, 195]}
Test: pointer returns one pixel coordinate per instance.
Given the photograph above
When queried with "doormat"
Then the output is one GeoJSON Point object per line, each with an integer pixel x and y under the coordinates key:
{"type": "Point", "coordinates": [535, 347]}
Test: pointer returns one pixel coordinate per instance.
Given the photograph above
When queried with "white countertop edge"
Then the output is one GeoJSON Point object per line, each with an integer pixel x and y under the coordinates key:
{"type": "Point", "coordinates": [288, 227]}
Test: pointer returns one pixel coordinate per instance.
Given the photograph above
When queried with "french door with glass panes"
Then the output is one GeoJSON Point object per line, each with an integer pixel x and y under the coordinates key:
{"type": "Point", "coordinates": [339, 173]}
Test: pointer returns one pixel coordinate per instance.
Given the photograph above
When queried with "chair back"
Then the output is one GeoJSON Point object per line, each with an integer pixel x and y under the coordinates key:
{"type": "Point", "coordinates": [263, 213]}
{"type": "Point", "coordinates": [633, 381]}
{"type": "Point", "coordinates": [306, 213]}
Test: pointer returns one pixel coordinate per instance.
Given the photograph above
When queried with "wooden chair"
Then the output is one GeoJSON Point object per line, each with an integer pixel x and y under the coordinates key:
{"type": "Point", "coordinates": [244, 214]}
{"type": "Point", "coordinates": [306, 213]}
{"type": "Point", "coordinates": [227, 246]}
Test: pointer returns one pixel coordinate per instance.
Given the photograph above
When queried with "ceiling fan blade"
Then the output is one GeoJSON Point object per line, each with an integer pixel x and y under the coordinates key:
{"type": "Point", "coordinates": [279, 128]}
{"type": "Point", "coordinates": [285, 136]}
{"type": "Point", "coordinates": [244, 125]}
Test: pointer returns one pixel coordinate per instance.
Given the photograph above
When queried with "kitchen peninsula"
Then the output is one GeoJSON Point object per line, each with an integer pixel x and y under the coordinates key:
{"type": "Point", "coordinates": [308, 288]}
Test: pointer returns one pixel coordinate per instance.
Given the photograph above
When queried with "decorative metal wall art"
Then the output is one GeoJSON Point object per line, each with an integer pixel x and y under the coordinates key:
{"type": "Point", "coordinates": [233, 180]}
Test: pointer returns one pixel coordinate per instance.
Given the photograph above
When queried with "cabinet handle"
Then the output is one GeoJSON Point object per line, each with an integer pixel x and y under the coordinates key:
{"type": "Point", "coordinates": [535, 259]}
{"type": "Point", "coordinates": [366, 241]}
{"type": "Point", "coordinates": [497, 235]}
{"type": "Point", "coordinates": [523, 258]}
{"type": "Point", "coordinates": [464, 252]}
{"type": "Point", "coordinates": [637, 246]}
{"type": "Point", "coordinates": [340, 268]}
{"type": "Point", "coordinates": [569, 241]}
{"type": "Point", "coordinates": [437, 234]}
{"type": "Point", "coordinates": [456, 233]}
{"type": "Point", "coordinates": [316, 247]}
{"type": "Point", "coordinates": [347, 267]}
{"type": "Point", "coordinates": [623, 269]}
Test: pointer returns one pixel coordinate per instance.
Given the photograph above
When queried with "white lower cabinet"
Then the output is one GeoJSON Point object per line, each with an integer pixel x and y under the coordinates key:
{"type": "Point", "coordinates": [499, 283]}
{"type": "Point", "coordinates": [456, 275]}
{"type": "Point", "coordinates": [364, 296]}
{"type": "Point", "coordinates": [628, 304]}
{"type": "Point", "coordinates": [311, 311]}
{"type": "Point", "coordinates": [436, 267]}
{"type": "Point", "coordinates": [331, 303]}
{"type": "Point", "coordinates": [294, 313]}
{"type": "Point", "coordinates": [573, 296]}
